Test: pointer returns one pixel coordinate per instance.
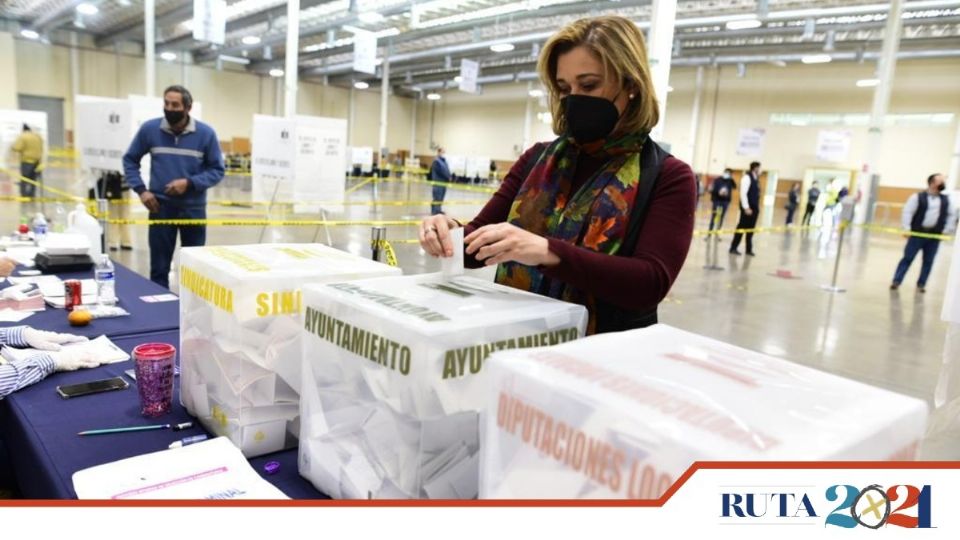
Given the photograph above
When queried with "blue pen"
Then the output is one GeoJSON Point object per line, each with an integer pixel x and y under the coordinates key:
{"type": "Point", "coordinates": [188, 441]}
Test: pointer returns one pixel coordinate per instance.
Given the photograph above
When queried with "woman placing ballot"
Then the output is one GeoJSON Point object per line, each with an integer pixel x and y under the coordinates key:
{"type": "Point", "coordinates": [601, 216]}
{"type": "Point", "coordinates": [18, 374]}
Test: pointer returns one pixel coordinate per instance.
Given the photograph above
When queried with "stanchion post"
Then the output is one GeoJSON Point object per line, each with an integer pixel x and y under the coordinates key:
{"type": "Point", "coordinates": [377, 236]}
{"type": "Point", "coordinates": [103, 209]}
{"type": "Point", "coordinates": [713, 244]}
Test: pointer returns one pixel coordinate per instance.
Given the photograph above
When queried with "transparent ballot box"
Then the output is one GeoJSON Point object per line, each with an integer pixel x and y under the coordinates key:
{"type": "Point", "coordinates": [624, 415]}
{"type": "Point", "coordinates": [394, 377]}
{"type": "Point", "coordinates": [240, 331]}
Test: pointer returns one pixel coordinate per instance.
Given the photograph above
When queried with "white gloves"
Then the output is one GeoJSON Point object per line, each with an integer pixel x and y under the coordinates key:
{"type": "Point", "coordinates": [71, 359]}
{"type": "Point", "coordinates": [48, 341]}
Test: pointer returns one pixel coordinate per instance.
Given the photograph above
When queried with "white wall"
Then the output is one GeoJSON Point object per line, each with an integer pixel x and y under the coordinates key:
{"type": "Point", "coordinates": [8, 64]}
{"type": "Point", "coordinates": [230, 96]}
{"type": "Point", "coordinates": [909, 153]}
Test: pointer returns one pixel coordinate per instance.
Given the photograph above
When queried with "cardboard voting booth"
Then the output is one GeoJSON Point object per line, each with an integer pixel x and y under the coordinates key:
{"type": "Point", "coordinates": [240, 321]}
{"type": "Point", "coordinates": [394, 379]}
{"type": "Point", "coordinates": [624, 415]}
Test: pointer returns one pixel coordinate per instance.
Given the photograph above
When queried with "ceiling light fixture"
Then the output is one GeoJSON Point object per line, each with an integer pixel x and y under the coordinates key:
{"type": "Point", "coordinates": [868, 83]}
{"type": "Point", "coordinates": [29, 34]}
{"type": "Point", "coordinates": [87, 9]}
{"type": "Point", "coordinates": [168, 56]}
{"type": "Point", "coordinates": [361, 85]}
{"type": "Point", "coordinates": [277, 72]}
{"type": "Point", "coordinates": [433, 96]}
{"type": "Point", "coordinates": [250, 40]}
{"type": "Point", "coordinates": [744, 24]}
{"type": "Point", "coordinates": [535, 93]}
{"type": "Point", "coordinates": [816, 59]}
{"type": "Point", "coordinates": [502, 47]}
{"type": "Point", "coordinates": [370, 17]}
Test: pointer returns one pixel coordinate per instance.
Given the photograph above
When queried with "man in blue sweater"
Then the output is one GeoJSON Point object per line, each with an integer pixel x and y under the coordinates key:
{"type": "Point", "coordinates": [185, 161]}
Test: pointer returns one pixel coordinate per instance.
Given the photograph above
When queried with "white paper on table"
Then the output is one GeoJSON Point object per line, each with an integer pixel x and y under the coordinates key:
{"type": "Point", "coordinates": [101, 348]}
{"type": "Point", "coordinates": [453, 266]}
{"type": "Point", "coordinates": [213, 469]}
{"type": "Point", "coordinates": [61, 301]}
{"type": "Point", "coordinates": [23, 255]}
{"type": "Point", "coordinates": [9, 315]}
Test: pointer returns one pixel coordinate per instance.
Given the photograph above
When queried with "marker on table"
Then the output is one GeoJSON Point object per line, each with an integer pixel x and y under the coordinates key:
{"type": "Point", "coordinates": [174, 427]}
{"type": "Point", "coordinates": [189, 440]}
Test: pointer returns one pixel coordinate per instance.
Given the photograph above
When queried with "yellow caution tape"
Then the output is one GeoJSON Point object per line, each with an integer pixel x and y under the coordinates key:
{"type": "Point", "coordinates": [266, 222]}
{"type": "Point", "coordinates": [388, 250]}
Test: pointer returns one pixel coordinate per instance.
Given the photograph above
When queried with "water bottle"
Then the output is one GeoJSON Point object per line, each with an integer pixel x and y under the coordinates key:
{"type": "Point", "coordinates": [59, 218]}
{"type": "Point", "coordinates": [106, 281]}
{"type": "Point", "coordinates": [39, 228]}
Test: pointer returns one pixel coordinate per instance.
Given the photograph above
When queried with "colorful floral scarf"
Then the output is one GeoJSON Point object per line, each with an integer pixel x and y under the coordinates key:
{"type": "Point", "coordinates": [595, 217]}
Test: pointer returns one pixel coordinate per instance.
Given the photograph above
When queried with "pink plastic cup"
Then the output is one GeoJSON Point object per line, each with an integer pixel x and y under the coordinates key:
{"type": "Point", "coordinates": [154, 363]}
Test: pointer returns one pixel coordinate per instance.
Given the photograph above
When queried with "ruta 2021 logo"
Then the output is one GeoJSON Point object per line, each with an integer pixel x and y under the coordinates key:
{"type": "Point", "coordinates": [873, 507]}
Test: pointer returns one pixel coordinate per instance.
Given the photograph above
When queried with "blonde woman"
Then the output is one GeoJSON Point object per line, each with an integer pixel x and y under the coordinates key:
{"type": "Point", "coordinates": [601, 216]}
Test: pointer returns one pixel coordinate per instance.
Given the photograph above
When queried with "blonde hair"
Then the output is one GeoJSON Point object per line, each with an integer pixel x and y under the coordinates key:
{"type": "Point", "coordinates": [619, 45]}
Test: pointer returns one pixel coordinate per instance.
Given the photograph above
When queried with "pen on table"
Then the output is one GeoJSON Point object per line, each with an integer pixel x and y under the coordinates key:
{"type": "Point", "coordinates": [188, 441]}
{"type": "Point", "coordinates": [174, 427]}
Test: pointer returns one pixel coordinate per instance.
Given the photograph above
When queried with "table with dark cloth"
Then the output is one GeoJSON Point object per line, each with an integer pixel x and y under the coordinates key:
{"type": "Point", "coordinates": [40, 430]}
{"type": "Point", "coordinates": [144, 317]}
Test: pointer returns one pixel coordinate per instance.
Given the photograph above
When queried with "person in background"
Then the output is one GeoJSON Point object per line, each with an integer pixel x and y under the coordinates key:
{"type": "Point", "coordinates": [492, 177]}
{"type": "Point", "coordinates": [601, 216]}
{"type": "Point", "coordinates": [749, 208]}
{"type": "Point", "coordinates": [112, 187]}
{"type": "Point", "coordinates": [793, 201]}
{"type": "Point", "coordinates": [30, 147]}
{"type": "Point", "coordinates": [813, 195]}
{"type": "Point", "coordinates": [439, 172]}
{"type": "Point", "coordinates": [926, 212]}
{"type": "Point", "coordinates": [185, 163]}
{"type": "Point", "coordinates": [721, 190]}
{"type": "Point", "coordinates": [18, 374]}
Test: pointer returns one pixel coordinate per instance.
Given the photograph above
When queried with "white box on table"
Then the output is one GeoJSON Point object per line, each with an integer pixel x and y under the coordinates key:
{"type": "Point", "coordinates": [394, 379]}
{"type": "Point", "coordinates": [240, 330]}
{"type": "Point", "coordinates": [624, 415]}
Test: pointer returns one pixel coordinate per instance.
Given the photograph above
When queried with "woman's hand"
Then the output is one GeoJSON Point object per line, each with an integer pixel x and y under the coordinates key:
{"type": "Point", "coordinates": [503, 242]}
{"type": "Point", "coordinates": [434, 235]}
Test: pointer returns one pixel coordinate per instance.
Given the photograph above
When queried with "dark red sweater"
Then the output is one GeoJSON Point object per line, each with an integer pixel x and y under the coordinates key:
{"type": "Point", "coordinates": [637, 282]}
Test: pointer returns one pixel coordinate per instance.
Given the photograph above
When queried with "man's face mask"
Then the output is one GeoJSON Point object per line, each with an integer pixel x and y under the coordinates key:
{"type": "Point", "coordinates": [173, 117]}
{"type": "Point", "coordinates": [589, 118]}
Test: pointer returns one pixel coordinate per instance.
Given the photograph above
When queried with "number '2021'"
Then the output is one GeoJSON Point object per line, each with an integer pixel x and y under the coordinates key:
{"type": "Point", "coordinates": [844, 515]}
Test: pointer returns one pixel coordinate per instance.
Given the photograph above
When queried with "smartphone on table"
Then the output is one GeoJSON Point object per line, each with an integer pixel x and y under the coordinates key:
{"type": "Point", "coordinates": [92, 387]}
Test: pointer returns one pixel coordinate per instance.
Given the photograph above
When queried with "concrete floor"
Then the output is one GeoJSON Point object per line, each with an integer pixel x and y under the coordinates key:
{"type": "Point", "coordinates": [892, 340]}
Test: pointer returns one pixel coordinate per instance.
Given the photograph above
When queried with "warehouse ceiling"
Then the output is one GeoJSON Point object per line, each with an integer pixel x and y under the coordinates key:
{"type": "Point", "coordinates": [426, 39]}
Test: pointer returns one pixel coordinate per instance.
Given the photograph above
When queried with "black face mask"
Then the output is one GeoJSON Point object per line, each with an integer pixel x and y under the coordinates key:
{"type": "Point", "coordinates": [941, 188]}
{"type": "Point", "coordinates": [589, 118]}
{"type": "Point", "coordinates": [173, 117]}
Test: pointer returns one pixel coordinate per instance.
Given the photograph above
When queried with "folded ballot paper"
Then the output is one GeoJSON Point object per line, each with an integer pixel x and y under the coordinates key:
{"type": "Point", "coordinates": [240, 328]}
{"type": "Point", "coordinates": [624, 415]}
{"type": "Point", "coordinates": [394, 378]}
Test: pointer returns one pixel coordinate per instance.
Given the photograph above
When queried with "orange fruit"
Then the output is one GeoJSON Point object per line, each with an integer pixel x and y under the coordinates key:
{"type": "Point", "coordinates": [79, 317]}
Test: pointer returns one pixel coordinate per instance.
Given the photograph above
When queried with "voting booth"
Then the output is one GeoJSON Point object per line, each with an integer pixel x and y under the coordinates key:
{"type": "Point", "coordinates": [624, 415]}
{"type": "Point", "coordinates": [394, 379]}
{"type": "Point", "coordinates": [240, 321]}
{"type": "Point", "coordinates": [299, 159]}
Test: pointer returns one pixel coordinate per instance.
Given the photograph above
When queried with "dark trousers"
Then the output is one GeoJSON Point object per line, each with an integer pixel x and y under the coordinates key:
{"type": "Point", "coordinates": [790, 211]}
{"type": "Point", "coordinates": [163, 239]}
{"type": "Point", "coordinates": [929, 246]}
{"type": "Point", "coordinates": [718, 221]}
{"type": "Point", "coordinates": [808, 214]}
{"type": "Point", "coordinates": [746, 222]}
{"type": "Point", "coordinates": [439, 192]}
{"type": "Point", "coordinates": [28, 170]}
